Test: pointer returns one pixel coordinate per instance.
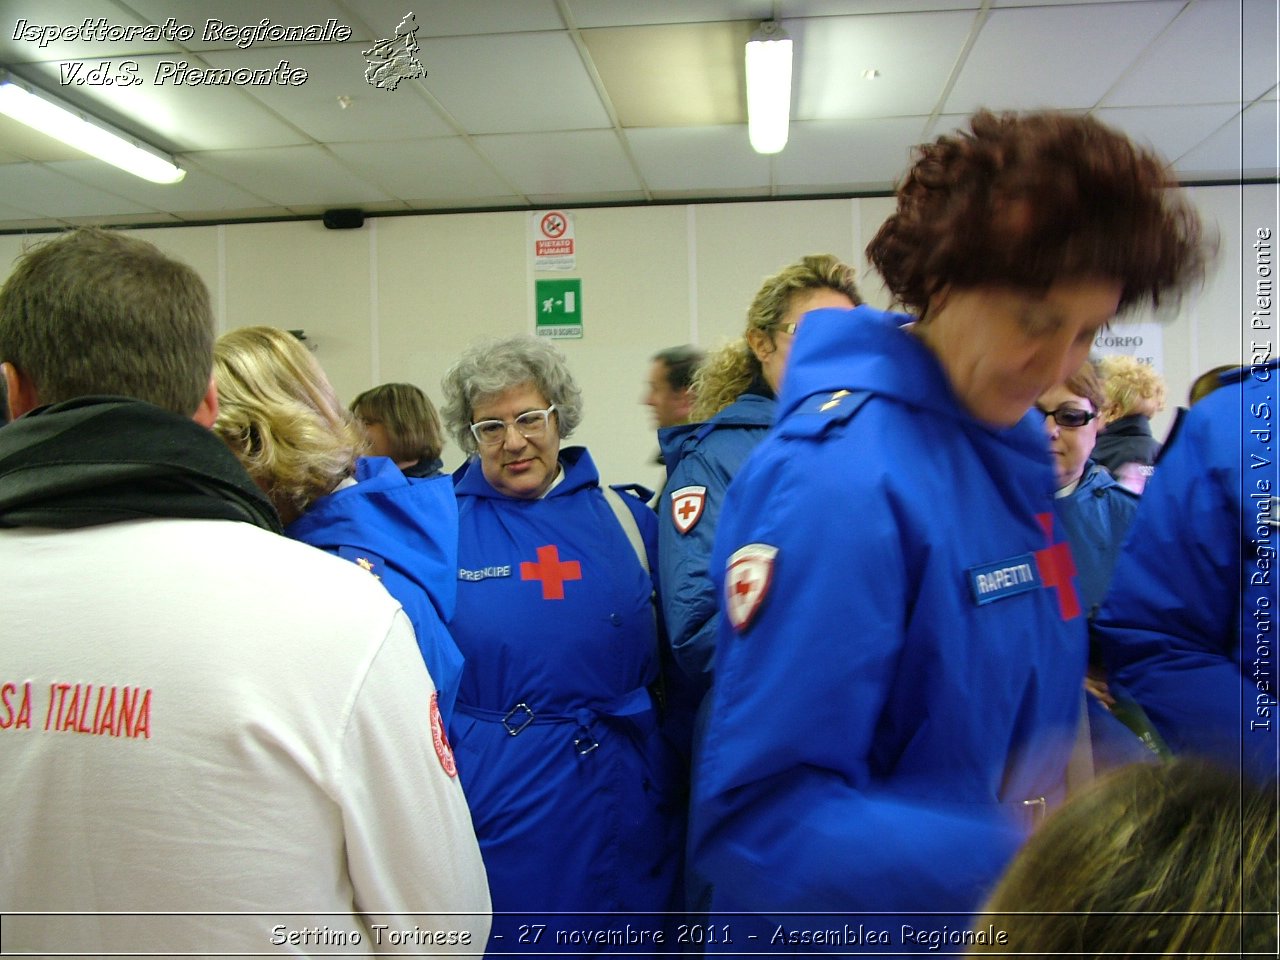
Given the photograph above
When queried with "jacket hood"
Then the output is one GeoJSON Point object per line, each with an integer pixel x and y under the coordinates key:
{"type": "Point", "coordinates": [748, 410]}
{"type": "Point", "coordinates": [867, 349]}
{"type": "Point", "coordinates": [374, 514]}
{"type": "Point", "coordinates": [579, 472]}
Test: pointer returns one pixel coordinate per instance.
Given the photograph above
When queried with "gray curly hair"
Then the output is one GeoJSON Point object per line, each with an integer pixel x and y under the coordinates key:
{"type": "Point", "coordinates": [490, 367]}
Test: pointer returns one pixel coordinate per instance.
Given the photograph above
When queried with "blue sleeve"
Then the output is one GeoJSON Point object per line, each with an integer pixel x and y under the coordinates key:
{"type": "Point", "coordinates": [689, 604]}
{"type": "Point", "coordinates": [1175, 628]}
{"type": "Point", "coordinates": [785, 815]}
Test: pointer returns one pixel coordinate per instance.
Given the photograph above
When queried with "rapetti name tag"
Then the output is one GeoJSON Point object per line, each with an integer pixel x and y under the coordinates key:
{"type": "Point", "coordinates": [1004, 578]}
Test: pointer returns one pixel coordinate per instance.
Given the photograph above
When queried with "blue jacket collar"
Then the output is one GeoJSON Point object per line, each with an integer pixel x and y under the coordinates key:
{"type": "Point", "coordinates": [579, 472]}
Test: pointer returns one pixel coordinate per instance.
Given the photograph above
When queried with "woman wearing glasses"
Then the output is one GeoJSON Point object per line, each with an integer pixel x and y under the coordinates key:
{"type": "Point", "coordinates": [1095, 512]}
{"type": "Point", "coordinates": [281, 418]}
{"type": "Point", "coordinates": [898, 670]}
{"type": "Point", "coordinates": [555, 730]}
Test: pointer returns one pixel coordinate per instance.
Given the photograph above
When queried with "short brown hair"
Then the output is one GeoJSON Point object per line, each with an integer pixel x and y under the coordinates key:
{"type": "Point", "coordinates": [410, 419]}
{"type": "Point", "coordinates": [96, 312]}
{"type": "Point", "coordinates": [1086, 383]}
{"type": "Point", "coordinates": [1026, 200]}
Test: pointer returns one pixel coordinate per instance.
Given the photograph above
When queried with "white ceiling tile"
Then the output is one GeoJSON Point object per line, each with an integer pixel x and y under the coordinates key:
{"type": "Point", "coordinates": [867, 154]}
{"type": "Point", "coordinates": [510, 115]}
{"type": "Point", "coordinates": [335, 71]}
{"type": "Point", "coordinates": [52, 195]}
{"type": "Point", "coordinates": [1169, 131]}
{"type": "Point", "coordinates": [438, 170]}
{"type": "Point", "coordinates": [673, 75]}
{"type": "Point", "coordinates": [291, 175]}
{"type": "Point", "coordinates": [455, 18]}
{"type": "Point", "coordinates": [70, 15]}
{"type": "Point", "coordinates": [177, 117]}
{"type": "Point", "coordinates": [618, 13]}
{"type": "Point", "coordinates": [697, 158]}
{"type": "Point", "coordinates": [1055, 56]}
{"type": "Point", "coordinates": [1200, 58]}
{"type": "Point", "coordinates": [196, 191]}
{"type": "Point", "coordinates": [522, 83]}
{"type": "Point", "coordinates": [913, 52]}
{"type": "Point", "coordinates": [561, 163]}
{"type": "Point", "coordinates": [1243, 148]}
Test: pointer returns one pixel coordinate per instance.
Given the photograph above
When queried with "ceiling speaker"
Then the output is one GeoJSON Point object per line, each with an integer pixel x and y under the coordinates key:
{"type": "Point", "coordinates": [343, 219]}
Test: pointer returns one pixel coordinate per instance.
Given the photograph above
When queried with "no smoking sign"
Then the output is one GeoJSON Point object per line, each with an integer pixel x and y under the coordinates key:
{"type": "Point", "coordinates": [553, 241]}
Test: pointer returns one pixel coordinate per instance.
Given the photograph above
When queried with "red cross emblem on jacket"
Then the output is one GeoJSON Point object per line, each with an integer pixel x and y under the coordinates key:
{"type": "Point", "coordinates": [1058, 570]}
{"type": "Point", "coordinates": [552, 571]}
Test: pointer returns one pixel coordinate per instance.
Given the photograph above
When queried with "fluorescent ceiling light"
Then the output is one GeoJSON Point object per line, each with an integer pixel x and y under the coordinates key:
{"type": "Point", "coordinates": [38, 110]}
{"type": "Point", "coordinates": [768, 87]}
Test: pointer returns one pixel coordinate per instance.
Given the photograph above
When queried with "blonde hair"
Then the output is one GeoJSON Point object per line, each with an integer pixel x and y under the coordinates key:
{"type": "Point", "coordinates": [1130, 387]}
{"type": "Point", "coordinates": [280, 416]}
{"type": "Point", "coordinates": [1162, 858]}
{"type": "Point", "coordinates": [729, 370]}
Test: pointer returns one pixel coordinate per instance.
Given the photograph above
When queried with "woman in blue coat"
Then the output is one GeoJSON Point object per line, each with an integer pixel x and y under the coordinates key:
{"type": "Point", "coordinates": [1189, 625]}
{"type": "Point", "coordinates": [736, 389]}
{"type": "Point", "coordinates": [900, 657]}
{"type": "Point", "coordinates": [280, 416]}
{"type": "Point", "coordinates": [556, 731]}
{"type": "Point", "coordinates": [1095, 512]}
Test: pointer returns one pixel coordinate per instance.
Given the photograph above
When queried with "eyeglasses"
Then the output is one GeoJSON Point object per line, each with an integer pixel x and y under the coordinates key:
{"type": "Point", "coordinates": [530, 425]}
{"type": "Point", "coordinates": [791, 327]}
{"type": "Point", "coordinates": [1069, 417]}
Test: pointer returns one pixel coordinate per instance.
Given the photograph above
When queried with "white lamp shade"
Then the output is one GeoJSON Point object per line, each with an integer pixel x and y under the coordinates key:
{"type": "Point", "coordinates": [768, 90]}
{"type": "Point", "coordinates": [75, 131]}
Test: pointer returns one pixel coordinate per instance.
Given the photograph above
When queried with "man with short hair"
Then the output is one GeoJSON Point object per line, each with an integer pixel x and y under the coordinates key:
{"type": "Point", "coordinates": [214, 738]}
{"type": "Point", "coordinates": [670, 393]}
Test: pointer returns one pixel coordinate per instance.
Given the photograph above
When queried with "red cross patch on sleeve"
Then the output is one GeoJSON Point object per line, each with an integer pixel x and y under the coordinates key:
{"type": "Point", "coordinates": [748, 574]}
{"type": "Point", "coordinates": [440, 739]}
{"type": "Point", "coordinates": [686, 507]}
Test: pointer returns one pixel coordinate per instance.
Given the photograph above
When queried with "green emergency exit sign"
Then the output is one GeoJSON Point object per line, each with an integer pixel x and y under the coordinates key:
{"type": "Point", "coordinates": [558, 308]}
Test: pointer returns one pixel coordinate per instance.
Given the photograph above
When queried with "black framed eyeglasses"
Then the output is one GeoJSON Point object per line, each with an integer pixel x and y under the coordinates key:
{"type": "Point", "coordinates": [1069, 417]}
{"type": "Point", "coordinates": [531, 425]}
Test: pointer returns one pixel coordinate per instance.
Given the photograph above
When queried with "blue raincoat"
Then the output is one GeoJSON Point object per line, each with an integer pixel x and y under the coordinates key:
{"type": "Point", "coordinates": [899, 665]}
{"type": "Point", "coordinates": [1188, 628]}
{"type": "Point", "coordinates": [701, 459]}
{"type": "Point", "coordinates": [570, 782]}
{"type": "Point", "coordinates": [404, 533]}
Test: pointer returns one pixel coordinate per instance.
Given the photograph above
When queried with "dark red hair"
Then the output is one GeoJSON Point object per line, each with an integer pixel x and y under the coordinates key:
{"type": "Point", "coordinates": [1026, 200]}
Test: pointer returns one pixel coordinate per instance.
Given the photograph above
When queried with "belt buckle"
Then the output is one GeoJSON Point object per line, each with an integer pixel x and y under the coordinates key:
{"type": "Point", "coordinates": [585, 743]}
{"type": "Point", "coordinates": [526, 718]}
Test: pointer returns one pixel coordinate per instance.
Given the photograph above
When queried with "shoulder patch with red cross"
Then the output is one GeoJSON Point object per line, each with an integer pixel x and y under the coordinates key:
{"type": "Point", "coordinates": [440, 739]}
{"type": "Point", "coordinates": [686, 507]}
{"type": "Point", "coordinates": [748, 575]}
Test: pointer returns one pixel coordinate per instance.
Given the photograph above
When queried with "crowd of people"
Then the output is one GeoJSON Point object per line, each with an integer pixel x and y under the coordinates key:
{"type": "Point", "coordinates": [898, 640]}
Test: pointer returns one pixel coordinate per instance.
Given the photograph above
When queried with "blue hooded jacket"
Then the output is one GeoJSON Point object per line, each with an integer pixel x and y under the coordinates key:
{"type": "Point", "coordinates": [1188, 628]}
{"type": "Point", "coordinates": [701, 458]}
{"type": "Point", "coordinates": [899, 665]}
{"type": "Point", "coordinates": [405, 533]}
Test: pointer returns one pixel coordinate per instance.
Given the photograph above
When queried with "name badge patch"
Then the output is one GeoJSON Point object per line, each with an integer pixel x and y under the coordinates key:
{"type": "Point", "coordinates": [1003, 578]}
{"type": "Point", "coordinates": [485, 573]}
